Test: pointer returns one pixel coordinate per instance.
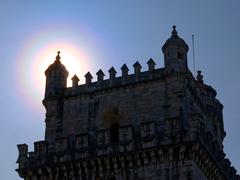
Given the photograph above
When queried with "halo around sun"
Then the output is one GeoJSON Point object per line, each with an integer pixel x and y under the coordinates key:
{"type": "Point", "coordinates": [37, 55]}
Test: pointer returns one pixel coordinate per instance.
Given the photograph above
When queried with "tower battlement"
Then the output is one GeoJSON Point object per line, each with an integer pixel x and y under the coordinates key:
{"type": "Point", "coordinates": [120, 81]}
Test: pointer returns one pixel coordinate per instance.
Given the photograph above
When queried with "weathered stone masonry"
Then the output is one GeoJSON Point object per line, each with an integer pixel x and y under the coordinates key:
{"type": "Point", "coordinates": [158, 124]}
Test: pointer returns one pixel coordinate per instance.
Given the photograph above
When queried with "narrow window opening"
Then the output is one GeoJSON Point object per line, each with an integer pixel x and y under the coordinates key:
{"type": "Point", "coordinates": [114, 133]}
{"type": "Point", "coordinates": [180, 55]}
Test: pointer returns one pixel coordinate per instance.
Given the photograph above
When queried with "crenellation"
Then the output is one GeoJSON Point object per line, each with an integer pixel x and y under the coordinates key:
{"type": "Point", "coordinates": [75, 81]}
{"type": "Point", "coordinates": [159, 74]}
{"type": "Point", "coordinates": [112, 76]}
{"type": "Point", "coordinates": [89, 78]}
{"type": "Point", "coordinates": [125, 70]}
{"type": "Point", "coordinates": [40, 148]}
{"type": "Point", "coordinates": [137, 71]}
{"type": "Point", "coordinates": [151, 65]}
{"type": "Point", "coordinates": [23, 155]}
{"type": "Point", "coordinates": [100, 76]}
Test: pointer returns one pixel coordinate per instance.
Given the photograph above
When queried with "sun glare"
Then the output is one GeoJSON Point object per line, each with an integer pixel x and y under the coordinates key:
{"type": "Point", "coordinates": [39, 51]}
{"type": "Point", "coordinates": [73, 59]}
{"type": "Point", "coordinates": [32, 69]}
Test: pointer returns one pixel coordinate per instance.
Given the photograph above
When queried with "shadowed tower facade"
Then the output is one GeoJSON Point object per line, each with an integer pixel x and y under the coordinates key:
{"type": "Point", "coordinates": [158, 124]}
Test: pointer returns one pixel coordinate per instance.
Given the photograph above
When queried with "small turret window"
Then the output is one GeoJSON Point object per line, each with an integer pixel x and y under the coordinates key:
{"type": "Point", "coordinates": [180, 55]}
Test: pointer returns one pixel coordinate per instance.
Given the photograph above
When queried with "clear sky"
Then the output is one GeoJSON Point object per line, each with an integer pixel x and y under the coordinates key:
{"type": "Point", "coordinates": [101, 34]}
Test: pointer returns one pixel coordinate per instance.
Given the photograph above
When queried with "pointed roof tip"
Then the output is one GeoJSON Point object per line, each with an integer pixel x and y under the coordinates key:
{"type": "Point", "coordinates": [124, 67]}
{"type": "Point", "coordinates": [112, 70]}
{"type": "Point", "coordinates": [58, 56]}
{"type": "Point", "coordinates": [75, 78]}
{"type": "Point", "coordinates": [100, 72]}
{"type": "Point", "coordinates": [199, 76]}
{"type": "Point", "coordinates": [174, 31]}
{"type": "Point", "coordinates": [137, 64]}
{"type": "Point", "coordinates": [174, 40]}
{"type": "Point", "coordinates": [151, 61]}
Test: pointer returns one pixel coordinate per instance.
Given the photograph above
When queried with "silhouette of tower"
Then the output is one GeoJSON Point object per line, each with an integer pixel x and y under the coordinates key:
{"type": "Point", "coordinates": [159, 124]}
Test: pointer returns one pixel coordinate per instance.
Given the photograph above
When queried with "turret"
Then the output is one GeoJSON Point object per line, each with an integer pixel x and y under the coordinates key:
{"type": "Point", "coordinates": [56, 78]}
{"type": "Point", "coordinates": [175, 52]}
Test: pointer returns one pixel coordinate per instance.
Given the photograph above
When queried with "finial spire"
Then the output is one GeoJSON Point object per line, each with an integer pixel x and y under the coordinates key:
{"type": "Point", "coordinates": [199, 77]}
{"type": "Point", "coordinates": [174, 31]}
{"type": "Point", "coordinates": [58, 56]}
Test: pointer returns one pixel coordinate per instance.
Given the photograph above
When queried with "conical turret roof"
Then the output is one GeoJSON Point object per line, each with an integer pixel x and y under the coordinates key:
{"type": "Point", "coordinates": [174, 40]}
{"type": "Point", "coordinates": [57, 66]}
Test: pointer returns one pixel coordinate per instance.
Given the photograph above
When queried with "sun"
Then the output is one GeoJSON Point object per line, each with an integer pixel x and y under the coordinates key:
{"type": "Point", "coordinates": [74, 60]}
{"type": "Point", "coordinates": [32, 72]}
{"type": "Point", "coordinates": [39, 51]}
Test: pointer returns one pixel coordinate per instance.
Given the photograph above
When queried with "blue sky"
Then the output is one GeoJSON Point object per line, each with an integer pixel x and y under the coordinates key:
{"type": "Point", "coordinates": [111, 33]}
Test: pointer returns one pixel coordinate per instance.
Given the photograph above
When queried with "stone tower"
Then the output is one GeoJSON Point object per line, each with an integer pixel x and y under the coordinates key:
{"type": "Point", "coordinates": [159, 124]}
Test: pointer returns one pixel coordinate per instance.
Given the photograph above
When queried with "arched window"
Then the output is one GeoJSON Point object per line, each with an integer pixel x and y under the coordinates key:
{"type": "Point", "coordinates": [114, 133]}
